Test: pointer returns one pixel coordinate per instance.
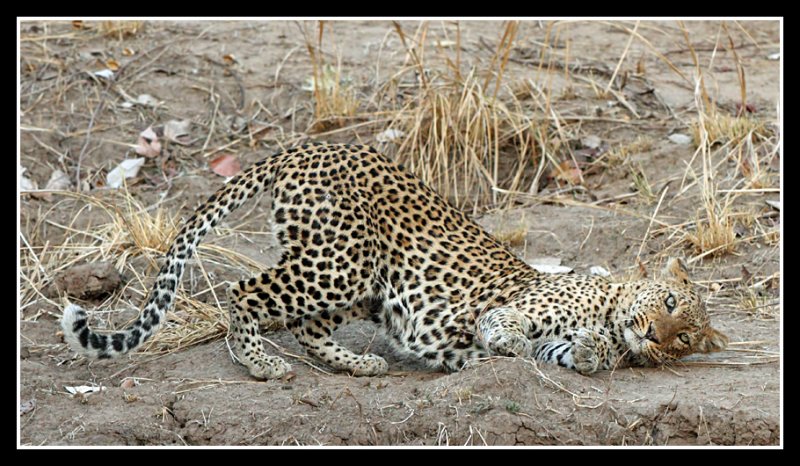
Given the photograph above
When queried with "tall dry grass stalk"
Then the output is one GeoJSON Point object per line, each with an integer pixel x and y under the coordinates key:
{"type": "Point", "coordinates": [334, 100]}
{"type": "Point", "coordinates": [714, 232]}
{"type": "Point", "coordinates": [739, 138]}
{"type": "Point", "coordinates": [462, 134]}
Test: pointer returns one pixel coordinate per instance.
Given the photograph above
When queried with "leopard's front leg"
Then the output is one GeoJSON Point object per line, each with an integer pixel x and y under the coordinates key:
{"type": "Point", "coordinates": [503, 331]}
{"type": "Point", "coordinates": [587, 351]}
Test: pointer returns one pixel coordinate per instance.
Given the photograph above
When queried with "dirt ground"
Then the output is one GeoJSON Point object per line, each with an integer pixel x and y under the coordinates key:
{"type": "Point", "coordinates": [229, 77]}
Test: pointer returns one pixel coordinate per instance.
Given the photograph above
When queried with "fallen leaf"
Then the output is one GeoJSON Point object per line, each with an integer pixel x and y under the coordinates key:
{"type": "Point", "coordinates": [84, 389]}
{"type": "Point", "coordinates": [177, 131]}
{"type": "Point", "coordinates": [27, 406]}
{"type": "Point", "coordinates": [599, 271]}
{"type": "Point", "coordinates": [446, 43]}
{"type": "Point", "coordinates": [774, 204]}
{"type": "Point", "coordinates": [774, 56]}
{"type": "Point", "coordinates": [58, 181]}
{"type": "Point", "coordinates": [127, 52]}
{"type": "Point", "coordinates": [112, 64]}
{"type": "Point", "coordinates": [552, 268]}
{"type": "Point", "coordinates": [390, 135]}
{"type": "Point", "coordinates": [229, 59]}
{"type": "Point", "coordinates": [26, 184]}
{"type": "Point", "coordinates": [128, 383]}
{"type": "Point", "coordinates": [567, 172]}
{"type": "Point", "coordinates": [549, 265]}
{"type": "Point", "coordinates": [126, 169]}
{"type": "Point", "coordinates": [147, 100]}
{"type": "Point", "coordinates": [106, 74]}
{"type": "Point", "coordinates": [225, 165]}
{"type": "Point", "coordinates": [679, 138]}
{"type": "Point", "coordinates": [148, 144]}
{"type": "Point", "coordinates": [591, 141]}
{"type": "Point", "coordinates": [80, 25]}
{"type": "Point", "coordinates": [750, 108]}
{"type": "Point", "coordinates": [545, 261]}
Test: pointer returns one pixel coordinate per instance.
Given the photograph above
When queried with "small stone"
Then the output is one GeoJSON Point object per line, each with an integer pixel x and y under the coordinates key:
{"type": "Point", "coordinates": [679, 138]}
{"type": "Point", "coordinates": [86, 281]}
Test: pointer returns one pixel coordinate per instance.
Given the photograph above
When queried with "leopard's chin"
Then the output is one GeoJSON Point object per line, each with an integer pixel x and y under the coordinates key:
{"type": "Point", "coordinates": [636, 343]}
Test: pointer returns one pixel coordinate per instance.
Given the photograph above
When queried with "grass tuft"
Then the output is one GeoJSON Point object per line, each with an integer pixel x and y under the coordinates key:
{"type": "Point", "coordinates": [461, 128]}
{"type": "Point", "coordinates": [722, 128]}
{"type": "Point", "coordinates": [334, 97]}
{"type": "Point", "coordinates": [120, 29]}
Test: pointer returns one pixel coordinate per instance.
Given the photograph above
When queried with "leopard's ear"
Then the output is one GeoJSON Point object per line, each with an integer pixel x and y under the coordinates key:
{"type": "Point", "coordinates": [676, 270]}
{"type": "Point", "coordinates": [711, 340]}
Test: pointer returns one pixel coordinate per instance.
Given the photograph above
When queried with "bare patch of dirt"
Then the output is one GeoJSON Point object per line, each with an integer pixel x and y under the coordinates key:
{"type": "Point", "coordinates": [241, 84]}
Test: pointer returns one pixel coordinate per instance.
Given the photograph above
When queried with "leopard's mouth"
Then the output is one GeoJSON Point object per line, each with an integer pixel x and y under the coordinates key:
{"type": "Point", "coordinates": [643, 346]}
{"type": "Point", "coordinates": [636, 342]}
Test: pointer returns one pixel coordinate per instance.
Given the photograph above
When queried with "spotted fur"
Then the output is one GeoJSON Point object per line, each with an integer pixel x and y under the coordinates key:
{"type": "Point", "coordinates": [363, 239]}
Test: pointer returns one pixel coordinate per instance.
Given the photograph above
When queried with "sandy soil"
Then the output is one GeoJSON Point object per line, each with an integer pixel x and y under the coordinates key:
{"type": "Point", "coordinates": [198, 396]}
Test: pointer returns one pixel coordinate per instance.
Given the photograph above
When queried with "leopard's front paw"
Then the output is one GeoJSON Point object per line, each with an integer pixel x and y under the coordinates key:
{"type": "Point", "coordinates": [510, 344]}
{"type": "Point", "coordinates": [268, 367]}
{"type": "Point", "coordinates": [589, 351]}
{"type": "Point", "coordinates": [369, 365]}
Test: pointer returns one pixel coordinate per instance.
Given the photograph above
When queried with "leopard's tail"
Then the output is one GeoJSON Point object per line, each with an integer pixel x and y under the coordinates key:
{"type": "Point", "coordinates": [162, 295]}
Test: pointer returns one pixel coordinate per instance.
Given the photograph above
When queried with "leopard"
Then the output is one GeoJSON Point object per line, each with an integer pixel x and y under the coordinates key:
{"type": "Point", "coordinates": [364, 239]}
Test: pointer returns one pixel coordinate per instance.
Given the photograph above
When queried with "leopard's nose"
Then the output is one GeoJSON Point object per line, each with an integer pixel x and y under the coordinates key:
{"type": "Point", "coordinates": [651, 333]}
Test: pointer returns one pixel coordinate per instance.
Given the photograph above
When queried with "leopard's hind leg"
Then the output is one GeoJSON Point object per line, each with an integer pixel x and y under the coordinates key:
{"type": "Point", "coordinates": [246, 315]}
{"type": "Point", "coordinates": [314, 333]}
{"type": "Point", "coordinates": [287, 294]}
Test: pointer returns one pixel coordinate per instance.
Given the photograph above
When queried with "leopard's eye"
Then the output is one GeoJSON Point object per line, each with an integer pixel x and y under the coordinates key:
{"type": "Point", "coordinates": [670, 302]}
{"type": "Point", "coordinates": [684, 338]}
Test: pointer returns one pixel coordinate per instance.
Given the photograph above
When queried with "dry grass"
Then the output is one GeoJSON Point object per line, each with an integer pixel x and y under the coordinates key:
{"type": "Point", "coordinates": [334, 97]}
{"type": "Point", "coordinates": [620, 155]}
{"type": "Point", "coordinates": [714, 233]}
{"type": "Point", "coordinates": [718, 127]}
{"type": "Point", "coordinates": [756, 305]}
{"type": "Point", "coordinates": [641, 184]}
{"type": "Point", "coordinates": [131, 230]}
{"type": "Point", "coordinates": [718, 135]}
{"type": "Point", "coordinates": [512, 234]}
{"type": "Point", "coordinates": [120, 29]}
{"type": "Point", "coordinates": [466, 133]}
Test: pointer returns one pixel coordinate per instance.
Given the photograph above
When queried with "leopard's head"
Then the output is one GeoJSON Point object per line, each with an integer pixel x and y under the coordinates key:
{"type": "Point", "coordinates": [668, 319]}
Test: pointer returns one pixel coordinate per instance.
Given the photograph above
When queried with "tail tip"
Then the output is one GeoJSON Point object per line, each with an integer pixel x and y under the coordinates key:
{"type": "Point", "coordinates": [72, 314]}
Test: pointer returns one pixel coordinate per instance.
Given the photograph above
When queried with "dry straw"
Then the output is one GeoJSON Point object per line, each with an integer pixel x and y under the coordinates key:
{"type": "Point", "coordinates": [465, 132]}
{"type": "Point", "coordinates": [715, 133]}
{"type": "Point", "coordinates": [130, 230]}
